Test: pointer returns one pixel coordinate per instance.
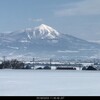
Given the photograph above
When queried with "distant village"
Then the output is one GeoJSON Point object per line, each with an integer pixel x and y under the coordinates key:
{"type": "Point", "coordinates": [49, 65]}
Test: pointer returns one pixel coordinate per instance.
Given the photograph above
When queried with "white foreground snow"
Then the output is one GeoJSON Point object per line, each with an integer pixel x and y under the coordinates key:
{"type": "Point", "coordinates": [49, 83]}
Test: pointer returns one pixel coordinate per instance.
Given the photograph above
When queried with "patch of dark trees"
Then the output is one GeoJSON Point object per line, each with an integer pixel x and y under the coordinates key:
{"type": "Point", "coordinates": [89, 68]}
{"type": "Point", "coordinates": [12, 64]}
{"type": "Point", "coordinates": [45, 68]}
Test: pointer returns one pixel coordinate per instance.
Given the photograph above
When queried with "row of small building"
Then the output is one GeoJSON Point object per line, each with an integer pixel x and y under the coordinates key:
{"type": "Point", "coordinates": [49, 65]}
{"type": "Point", "coordinates": [79, 67]}
{"type": "Point", "coordinates": [68, 68]}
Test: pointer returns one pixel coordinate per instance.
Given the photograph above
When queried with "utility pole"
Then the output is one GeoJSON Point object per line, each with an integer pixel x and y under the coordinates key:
{"type": "Point", "coordinates": [50, 62]}
{"type": "Point", "coordinates": [33, 62]}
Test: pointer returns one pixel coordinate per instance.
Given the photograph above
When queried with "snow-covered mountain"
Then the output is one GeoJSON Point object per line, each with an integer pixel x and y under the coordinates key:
{"type": "Point", "coordinates": [46, 42]}
{"type": "Point", "coordinates": [40, 32]}
{"type": "Point", "coordinates": [44, 31]}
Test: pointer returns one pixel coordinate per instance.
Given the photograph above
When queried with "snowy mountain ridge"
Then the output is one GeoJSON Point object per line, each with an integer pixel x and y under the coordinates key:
{"type": "Point", "coordinates": [45, 41]}
{"type": "Point", "coordinates": [46, 32]}
{"type": "Point", "coordinates": [41, 32]}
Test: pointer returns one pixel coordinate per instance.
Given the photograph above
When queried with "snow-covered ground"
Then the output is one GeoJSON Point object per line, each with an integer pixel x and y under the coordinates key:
{"type": "Point", "coordinates": [49, 83]}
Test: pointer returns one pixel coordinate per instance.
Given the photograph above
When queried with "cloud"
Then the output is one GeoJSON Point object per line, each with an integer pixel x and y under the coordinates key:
{"type": "Point", "coordinates": [85, 7]}
{"type": "Point", "coordinates": [36, 20]}
{"type": "Point", "coordinates": [68, 51]}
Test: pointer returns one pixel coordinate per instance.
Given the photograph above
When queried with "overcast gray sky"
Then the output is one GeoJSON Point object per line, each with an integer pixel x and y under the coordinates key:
{"type": "Point", "coordinates": [80, 18]}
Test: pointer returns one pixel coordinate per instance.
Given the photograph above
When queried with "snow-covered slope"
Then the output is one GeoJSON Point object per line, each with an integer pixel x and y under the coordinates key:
{"type": "Point", "coordinates": [45, 31]}
{"type": "Point", "coordinates": [40, 32]}
{"type": "Point", "coordinates": [45, 41]}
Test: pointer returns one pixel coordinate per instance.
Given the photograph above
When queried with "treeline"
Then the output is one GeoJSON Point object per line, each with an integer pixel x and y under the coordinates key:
{"type": "Point", "coordinates": [12, 64]}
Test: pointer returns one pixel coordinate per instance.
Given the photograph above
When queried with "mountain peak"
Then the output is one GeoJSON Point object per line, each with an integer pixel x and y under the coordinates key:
{"type": "Point", "coordinates": [46, 31]}
{"type": "Point", "coordinates": [44, 25]}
